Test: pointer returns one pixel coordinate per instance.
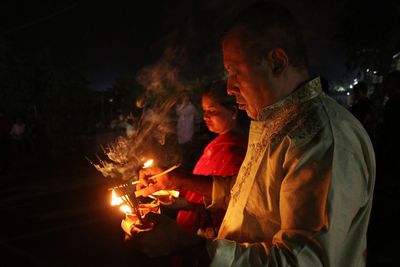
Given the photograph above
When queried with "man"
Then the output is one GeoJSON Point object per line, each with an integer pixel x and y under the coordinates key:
{"type": "Point", "coordinates": [187, 115]}
{"type": "Point", "coordinates": [303, 195]}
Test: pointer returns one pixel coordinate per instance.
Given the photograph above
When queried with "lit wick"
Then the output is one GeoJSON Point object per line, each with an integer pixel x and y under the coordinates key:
{"type": "Point", "coordinates": [148, 163]}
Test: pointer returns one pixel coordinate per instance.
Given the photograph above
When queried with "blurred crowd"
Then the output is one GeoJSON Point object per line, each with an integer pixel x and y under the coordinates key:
{"type": "Point", "coordinates": [20, 137]}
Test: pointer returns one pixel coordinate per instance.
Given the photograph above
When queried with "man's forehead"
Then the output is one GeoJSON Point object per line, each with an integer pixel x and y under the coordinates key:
{"type": "Point", "coordinates": [232, 48]}
{"type": "Point", "coordinates": [234, 35]}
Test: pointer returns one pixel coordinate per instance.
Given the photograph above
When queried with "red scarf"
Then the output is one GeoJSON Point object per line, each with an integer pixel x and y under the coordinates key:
{"type": "Point", "coordinates": [221, 157]}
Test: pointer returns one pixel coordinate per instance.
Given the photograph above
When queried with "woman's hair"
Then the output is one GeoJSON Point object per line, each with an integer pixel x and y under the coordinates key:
{"type": "Point", "coordinates": [217, 91]}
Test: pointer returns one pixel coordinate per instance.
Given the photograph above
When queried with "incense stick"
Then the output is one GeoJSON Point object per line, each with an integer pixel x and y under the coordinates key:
{"type": "Point", "coordinates": [123, 185]}
{"type": "Point", "coordinates": [164, 172]}
{"type": "Point", "coordinates": [132, 202]}
{"type": "Point", "coordinates": [137, 194]}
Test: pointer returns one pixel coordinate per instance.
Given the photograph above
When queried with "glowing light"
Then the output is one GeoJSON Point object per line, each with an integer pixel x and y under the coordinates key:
{"type": "Point", "coordinates": [148, 163]}
{"type": "Point", "coordinates": [173, 193]}
{"type": "Point", "coordinates": [115, 200]}
{"type": "Point", "coordinates": [126, 209]}
{"type": "Point", "coordinates": [348, 93]}
{"type": "Point", "coordinates": [340, 88]}
{"type": "Point", "coordinates": [351, 86]}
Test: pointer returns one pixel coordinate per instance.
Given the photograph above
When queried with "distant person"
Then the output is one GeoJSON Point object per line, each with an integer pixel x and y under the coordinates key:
{"type": "Point", "coordinates": [378, 99]}
{"type": "Point", "coordinates": [120, 124]}
{"type": "Point", "coordinates": [363, 109]}
{"type": "Point", "coordinates": [148, 115]}
{"type": "Point", "coordinates": [17, 133]}
{"type": "Point", "coordinates": [5, 127]}
{"type": "Point", "coordinates": [131, 127]}
{"type": "Point", "coordinates": [390, 131]}
{"type": "Point", "coordinates": [187, 114]}
{"type": "Point", "coordinates": [385, 212]}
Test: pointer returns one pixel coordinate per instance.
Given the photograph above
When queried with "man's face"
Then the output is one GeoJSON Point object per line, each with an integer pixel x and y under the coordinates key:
{"type": "Point", "coordinates": [246, 78]}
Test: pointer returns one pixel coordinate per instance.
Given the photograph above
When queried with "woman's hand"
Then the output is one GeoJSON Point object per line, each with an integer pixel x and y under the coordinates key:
{"type": "Point", "coordinates": [149, 184]}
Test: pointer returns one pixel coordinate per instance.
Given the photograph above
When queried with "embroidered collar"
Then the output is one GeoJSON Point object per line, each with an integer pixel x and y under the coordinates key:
{"type": "Point", "coordinates": [305, 92]}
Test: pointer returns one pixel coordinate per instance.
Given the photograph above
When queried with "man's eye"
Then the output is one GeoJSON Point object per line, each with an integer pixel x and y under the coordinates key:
{"type": "Point", "coordinates": [231, 73]}
{"type": "Point", "coordinates": [210, 112]}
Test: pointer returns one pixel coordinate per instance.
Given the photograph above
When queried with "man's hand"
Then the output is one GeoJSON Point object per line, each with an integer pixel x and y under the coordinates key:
{"type": "Point", "coordinates": [132, 225]}
{"type": "Point", "coordinates": [164, 238]}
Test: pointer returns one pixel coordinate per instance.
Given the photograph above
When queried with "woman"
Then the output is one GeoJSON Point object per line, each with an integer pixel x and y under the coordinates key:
{"type": "Point", "coordinates": [222, 157]}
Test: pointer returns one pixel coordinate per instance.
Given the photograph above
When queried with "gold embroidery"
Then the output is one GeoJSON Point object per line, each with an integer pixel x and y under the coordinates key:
{"type": "Point", "coordinates": [292, 116]}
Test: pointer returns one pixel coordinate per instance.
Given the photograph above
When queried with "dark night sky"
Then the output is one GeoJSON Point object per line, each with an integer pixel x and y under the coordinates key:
{"type": "Point", "coordinates": [108, 39]}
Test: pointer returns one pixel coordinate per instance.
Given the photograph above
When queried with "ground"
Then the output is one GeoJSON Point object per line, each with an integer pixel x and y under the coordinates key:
{"type": "Point", "coordinates": [55, 211]}
{"type": "Point", "coordinates": [58, 213]}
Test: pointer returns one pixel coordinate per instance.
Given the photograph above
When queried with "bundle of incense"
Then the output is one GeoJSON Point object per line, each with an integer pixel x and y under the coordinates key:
{"type": "Point", "coordinates": [130, 200]}
{"type": "Point", "coordinates": [128, 185]}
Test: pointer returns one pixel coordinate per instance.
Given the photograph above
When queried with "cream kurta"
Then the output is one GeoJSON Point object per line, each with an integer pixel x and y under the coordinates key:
{"type": "Point", "coordinates": [303, 195]}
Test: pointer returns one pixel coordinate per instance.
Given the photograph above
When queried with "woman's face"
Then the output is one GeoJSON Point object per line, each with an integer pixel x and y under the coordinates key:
{"type": "Point", "coordinates": [217, 118]}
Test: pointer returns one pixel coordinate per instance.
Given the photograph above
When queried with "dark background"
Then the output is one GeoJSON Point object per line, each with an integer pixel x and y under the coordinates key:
{"type": "Point", "coordinates": [110, 39]}
{"type": "Point", "coordinates": [68, 68]}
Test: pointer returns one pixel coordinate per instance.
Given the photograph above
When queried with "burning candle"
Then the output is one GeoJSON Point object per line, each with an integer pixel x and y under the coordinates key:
{"type": "Point", "coordinates": [126, 209]}
{"type": "Point", "coordinates": [120, 201]}
{"type": "Point", "coordinates": [148, 163]}
{"type": "Point", "coordinates": [144, 208]}
{"type": "Point", "coordinates": [115, 200]}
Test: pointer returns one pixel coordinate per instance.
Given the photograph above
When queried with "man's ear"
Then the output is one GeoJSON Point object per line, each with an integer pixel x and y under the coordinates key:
{"type": "Point", "coordinates": [279, 60]}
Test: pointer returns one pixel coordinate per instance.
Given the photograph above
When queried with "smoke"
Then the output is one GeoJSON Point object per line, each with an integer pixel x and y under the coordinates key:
{"type": "Point", "coordinates": [153, 139]}
{"type": "Point", "coordinates": [190, 60]}
{"type": "Point", "coordinates": [154, 136]}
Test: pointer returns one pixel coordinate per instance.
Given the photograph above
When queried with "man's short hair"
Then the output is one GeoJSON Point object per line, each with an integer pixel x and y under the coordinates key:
{"type": "Point", "coordinates": [267, 25]}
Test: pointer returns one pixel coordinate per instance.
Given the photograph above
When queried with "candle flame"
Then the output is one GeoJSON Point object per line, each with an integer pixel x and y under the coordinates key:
{"type": "Point", "coordinates": [126, 209]}
{"type": "Point", "coordinates": [115, 200]}
{"type": "Point", "coordinates": [148, 163]}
